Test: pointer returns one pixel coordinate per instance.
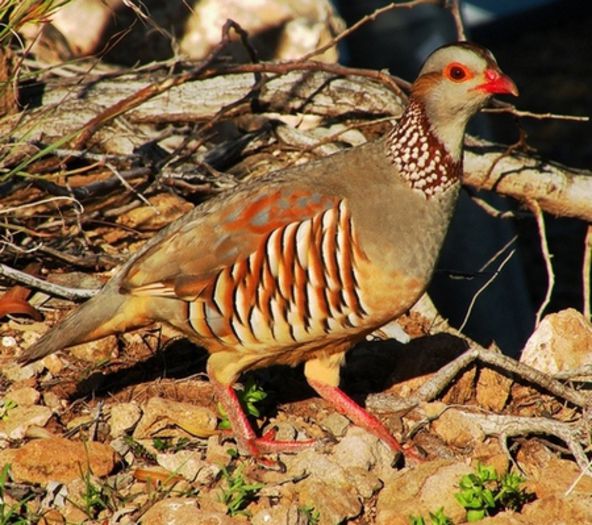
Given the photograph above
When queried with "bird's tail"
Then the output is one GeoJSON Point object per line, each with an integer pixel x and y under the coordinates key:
{"type": "Point", "coordinates": [106, 313]}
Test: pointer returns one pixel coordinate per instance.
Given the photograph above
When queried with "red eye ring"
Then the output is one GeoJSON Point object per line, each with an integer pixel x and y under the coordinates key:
{"type": "Point", "coordinates": [457, 72]}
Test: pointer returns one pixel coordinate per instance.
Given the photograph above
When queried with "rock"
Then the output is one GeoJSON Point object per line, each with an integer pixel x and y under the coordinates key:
{"type": "Point", "coordinates": [124, 417]}
{"type": "Point", "coordinates": [103, 349]}
{"type": "Point", "coordinates": [556, 477]}
{"type": "Point", "coordinates": [559, 509]}
{"type": "Point", "coordinates": [336, 484]}
{"type": "Point", "coordinates": [54, 363]}
{"type": "Point", "coordinates": [164, 208]}
{"type": "Point", "coordinates": [455, 429]}
{"type": "Point", "coordinates": [493, 390]}
{"type": "Point", "coordinates": [188, 463]}
{"type": "Point", "coordinates": [16, 373]}
{"type": "Point", "coordinates": [184, 511]}
{"type": "Point", "coordinates": [58, 459]}
{"type": "Point", "coordinates": [53, 401]}
{"type": "Point", "coordinates": [491, 453]}
{"type": "Point", "coordinates": [335, 423]}
{"type": "Point", "coordinates": [282, 514]}
{"type": "Point", "coordinates": [20, 418]}
{"type": "Point", "coordinates": [25, 396]}
{"type": "Point", "coordinates": [336, 503]}
{"type": "Point", "coordinates": [561, 342]}
{"type": "Point", "coordinates": [166, 418]}
{"type": "Point", "coordinates": [421, 490]}
{"type": "Point", "coordinates": [52, 517]}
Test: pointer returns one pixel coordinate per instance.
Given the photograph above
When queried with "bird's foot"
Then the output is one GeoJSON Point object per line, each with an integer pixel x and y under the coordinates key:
{"type": "Point", "coordinates": [267, 444]}
{"type": "Point", "coordinates": [359, 416]}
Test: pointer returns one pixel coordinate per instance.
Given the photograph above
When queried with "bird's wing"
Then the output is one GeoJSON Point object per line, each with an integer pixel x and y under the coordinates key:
{"type": "Point", "coordinates": [279, 269]}
{"type": "Point", "coordinates": [225, 233]}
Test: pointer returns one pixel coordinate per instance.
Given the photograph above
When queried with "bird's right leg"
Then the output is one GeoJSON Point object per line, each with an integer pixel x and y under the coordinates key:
{"type": "Point", "coordinates": [247, 440]}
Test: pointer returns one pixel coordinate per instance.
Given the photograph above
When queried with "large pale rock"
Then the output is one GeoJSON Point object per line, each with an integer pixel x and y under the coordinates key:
{"type": "Point", "coordinates": [21, 418]}
{"type": "Point", "coordinates": [166, 418]}
{"type": "Point", "coordinates": [421, 490]}
{"type": "Point", "coordinates": [58, 459]}
{"type": "Point", "coordinates": [563, 341]}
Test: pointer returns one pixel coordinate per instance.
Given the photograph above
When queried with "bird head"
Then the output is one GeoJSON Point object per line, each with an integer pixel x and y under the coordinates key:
{"type": "Point", "coordinates": [455, 81]}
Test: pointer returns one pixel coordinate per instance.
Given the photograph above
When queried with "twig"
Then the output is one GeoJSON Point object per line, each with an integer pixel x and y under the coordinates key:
{"type": "Point", "coordinates": [538, 214]}
{"type": "Point", "coordinates": [586, 268]}
{"type": "Point", "coordinates": [510, 108]}
{"type": "Point", "coordinates": [363, 21]}
{"type": "Point", "coordinates": [441, 379]}
{"type": "Point", "coordinates": [491, 210]}
{"type": "Point", "coordinates": [454, 7]}
{"type": "Point", "coordinates": [484, 287]}
{"type": "Point", "coordinates": [508, 426]}
{"type": "Point", "coordinates": [150, 91]}
{"type": "Point", "coordinates": [45, 286]}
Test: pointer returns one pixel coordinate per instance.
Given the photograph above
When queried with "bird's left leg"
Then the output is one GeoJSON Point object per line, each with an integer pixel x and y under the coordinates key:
{"type": "Point", "coordinates": [322, 374]}
{"type": "Point", "coordinates": [247, 440]}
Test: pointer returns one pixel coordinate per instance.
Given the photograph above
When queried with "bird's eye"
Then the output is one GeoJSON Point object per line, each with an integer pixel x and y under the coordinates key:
{"type": "Point", "coordinates": [457, 72]}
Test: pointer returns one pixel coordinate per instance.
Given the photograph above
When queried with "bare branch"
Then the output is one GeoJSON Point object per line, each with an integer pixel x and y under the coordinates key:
{"type": "Point", "coordinates": [538, 214]}
{"type": "Point", "coordinates": [586, 269]}
{"type": "Point", "coordinates": [45, 286]}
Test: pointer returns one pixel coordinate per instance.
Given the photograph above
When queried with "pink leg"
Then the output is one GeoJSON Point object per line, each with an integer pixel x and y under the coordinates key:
{"type": "Point", "coordinates": [359, 416]}
{"type": "Point", "coordinates": [243, 431]}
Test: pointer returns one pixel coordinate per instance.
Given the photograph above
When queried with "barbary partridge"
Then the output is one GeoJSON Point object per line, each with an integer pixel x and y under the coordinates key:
{"type": "Point", "coordinates": [299, 265]}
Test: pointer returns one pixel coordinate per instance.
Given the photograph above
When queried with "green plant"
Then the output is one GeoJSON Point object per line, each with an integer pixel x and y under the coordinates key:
{"type": "Point", "coordinates": [137, 449]}
{"type": "Point", "coordinates": [484, 493]}
{"type": "Point", "coordinates": [436, 518]}
{"type": "Point", "coordinates": [169, 444]}
{"type": "Point", "coordinates": [249, 396]}
{"type": "Point", "coordinates": [16, 513]}
{"type": "Point", "coordinates": [17, 13]}
{"type": "Point", "coordinates": [94, 497]}
{"type": "Point", "coordinates": [5, 407]}
{"type": "Point", "coordinates": [238, 493]}
{"type": "Point", "coordinates": [311, 515]}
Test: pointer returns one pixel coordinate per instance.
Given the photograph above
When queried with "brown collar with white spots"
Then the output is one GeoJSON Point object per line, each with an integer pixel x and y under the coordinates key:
{"type": "Point", "coordinates": [422, 160]}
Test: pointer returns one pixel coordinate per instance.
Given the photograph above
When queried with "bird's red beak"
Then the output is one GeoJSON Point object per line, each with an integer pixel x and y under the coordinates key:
{"type": "Point", "coordinates": [498, 83]}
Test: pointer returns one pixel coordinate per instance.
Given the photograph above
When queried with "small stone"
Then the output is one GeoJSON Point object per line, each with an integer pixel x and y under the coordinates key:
{"type": "Point", "coordinates": [282, 514]}
{"type": "Point", "coordinates": [188, 463]}
{"type": "Point", "coordinates": [421, 490]}
{"type": "Point", "coordinates": [103, 349]}
{"type": "Point", "coordinates": [54, 363]}
{"type": "Point", "coordinates": [124, 417]}
{"type": "Point", "coordinates": [561, 342]}
{"type": "Point", "coordinates": [20, 418]}
{"type": "Point", "coordinates": [17, 373]}
{"type": "Point", "coordinates": [455, 429]}
{"type": "Point", "coordinates": [23, 396]}
{"type": "Point", "coordinates": [59, 459]}
{"type": "Point", "coordinates": [335, 423]}
{"type": "Point", "coordinates": [166, 418]}
{"type": "Point", "coordinates": [53, 401]}
{"type": "Point", "coordinates": [183, 511]}
{"type": "Point", "coordinates": [493, 390]}
{"type": "Point", "coordinates": [217, 452]}
{"type": "Point", "coordinates": [52, 517]}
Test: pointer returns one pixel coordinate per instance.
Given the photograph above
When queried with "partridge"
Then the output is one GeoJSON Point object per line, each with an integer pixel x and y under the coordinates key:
{"type": "Point", "coordinates": [301, 264]}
